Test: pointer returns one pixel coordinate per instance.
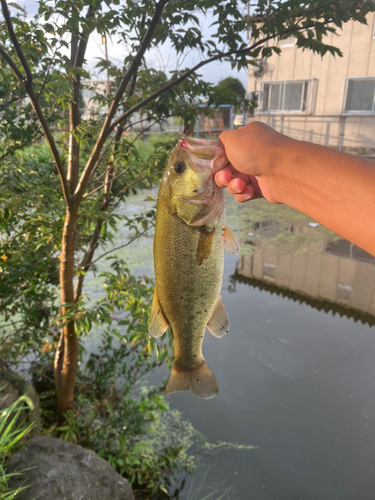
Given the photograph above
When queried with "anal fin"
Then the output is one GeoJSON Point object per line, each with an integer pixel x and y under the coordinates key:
{"type": "Point", "coordinates": [219, 321]}
{"type": "Point", "coordinates": [230, 241]}
{"type": "Point", "coordinates": [157, 324]}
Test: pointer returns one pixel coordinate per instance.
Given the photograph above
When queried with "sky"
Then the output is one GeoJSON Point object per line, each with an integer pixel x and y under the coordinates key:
{"type": "Point", "coordinates": [164, 58]}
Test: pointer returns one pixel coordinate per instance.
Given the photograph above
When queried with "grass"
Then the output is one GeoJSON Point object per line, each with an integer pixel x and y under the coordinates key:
{"type": "Point", "coordinates": [196, 491]}
{"type": "Point", "coordinates": [12, 432]}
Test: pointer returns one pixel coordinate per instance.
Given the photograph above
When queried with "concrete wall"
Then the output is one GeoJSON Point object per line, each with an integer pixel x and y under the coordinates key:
{"type": "Point", "coordinates": [319, 275]}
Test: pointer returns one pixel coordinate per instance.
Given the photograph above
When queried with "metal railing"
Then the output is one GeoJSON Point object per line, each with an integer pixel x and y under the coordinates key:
{"type": "Point", "coordinates": [350, 133]}
{"type": "Point", "coordinates": [212, 125]}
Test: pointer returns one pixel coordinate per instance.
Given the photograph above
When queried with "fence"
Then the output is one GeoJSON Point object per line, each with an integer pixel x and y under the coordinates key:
{"type": "Point", "coordinates": [352, 134]}
{"type": "Point", "coordinates": [221, 119]}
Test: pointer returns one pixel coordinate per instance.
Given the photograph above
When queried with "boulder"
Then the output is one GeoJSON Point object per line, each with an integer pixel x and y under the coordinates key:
{"type": "Point", "coordinates": [13, 386]}
{"type": "Point", "coordinates": [56, 470]}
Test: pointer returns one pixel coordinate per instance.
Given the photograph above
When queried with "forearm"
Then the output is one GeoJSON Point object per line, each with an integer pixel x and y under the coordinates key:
{"type": "Point", "coordinates": [335, 189]}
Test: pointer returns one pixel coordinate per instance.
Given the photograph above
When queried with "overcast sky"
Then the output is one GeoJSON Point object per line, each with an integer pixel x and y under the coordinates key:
{"type": "Point", "coordinates": [164, 58]}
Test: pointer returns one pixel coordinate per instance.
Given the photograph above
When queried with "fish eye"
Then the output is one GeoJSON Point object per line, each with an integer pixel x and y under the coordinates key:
{"type": "Point", "coordinates": [179, 167]}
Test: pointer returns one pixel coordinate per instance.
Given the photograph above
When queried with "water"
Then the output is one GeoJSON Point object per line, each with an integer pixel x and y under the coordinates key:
{"type": "Point", "coordinates": [299, 384]}
{"type": "Point", "coordinates": [296, 372]}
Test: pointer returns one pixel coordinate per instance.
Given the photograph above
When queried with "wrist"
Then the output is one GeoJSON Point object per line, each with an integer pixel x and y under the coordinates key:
{"type": "Point", "coordinates": [284, 155]}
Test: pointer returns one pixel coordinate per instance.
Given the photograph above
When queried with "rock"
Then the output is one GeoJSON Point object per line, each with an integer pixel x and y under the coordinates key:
{"type": "Point", "coordinates": [13, 386]}
{"type": "Point", "coordinates": [64, 471]}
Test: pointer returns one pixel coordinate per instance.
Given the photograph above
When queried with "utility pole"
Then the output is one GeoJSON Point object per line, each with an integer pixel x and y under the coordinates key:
{"type": "Point", "coordinates": [104, 42]}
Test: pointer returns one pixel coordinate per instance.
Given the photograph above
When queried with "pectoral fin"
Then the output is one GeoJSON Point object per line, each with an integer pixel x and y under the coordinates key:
{"type": "Point", "coordinates": [204, 245]}
{"type": "Point", "coordinates": [157, 324]}
{"type": "Point", "coordinates": [219, 322]}
{"type": "Point", "coordinates": [230, 241]}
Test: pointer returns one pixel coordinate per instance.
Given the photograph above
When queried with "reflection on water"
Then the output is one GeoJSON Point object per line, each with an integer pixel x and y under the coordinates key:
{"type": "Point", "coordinates": [332, 276]}
{"type": "Point", "coordinates": [296, 383]}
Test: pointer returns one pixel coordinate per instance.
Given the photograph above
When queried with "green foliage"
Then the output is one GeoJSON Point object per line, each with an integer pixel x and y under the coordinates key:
{"type": "Point", "coordinates": [30, 223]}
{"type": "Point", "coordinates": [113, 414]}
{"type": "Point", "coordinates": [108, 398]}
{"type": "Point", "coordinates": [43, 40]}
{"type": "Point", "coordinates": [12, 432]}
{"type": "Point", "coordinates": [31, 215]}
{"type": "Point", "coordinates": [233, 84]}
{"type": "Point", "coordinates": [110, 415]}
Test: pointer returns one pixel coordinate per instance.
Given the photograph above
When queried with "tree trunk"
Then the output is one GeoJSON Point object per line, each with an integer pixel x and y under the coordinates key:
{"type": "Point", "coordinates": [66, 359]}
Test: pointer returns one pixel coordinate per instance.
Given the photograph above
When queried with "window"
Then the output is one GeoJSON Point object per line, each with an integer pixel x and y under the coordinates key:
{"type": "Point", "coordinates": [359, 95]}
{"type": "Point", "coordinates": [287, 96]}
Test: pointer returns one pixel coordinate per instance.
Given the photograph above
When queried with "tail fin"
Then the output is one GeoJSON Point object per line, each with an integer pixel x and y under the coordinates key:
{"type": "Point", "coordinates": [199, 379]}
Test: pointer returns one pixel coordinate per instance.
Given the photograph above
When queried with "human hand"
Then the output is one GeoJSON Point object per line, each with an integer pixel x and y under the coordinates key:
{"type": "Point", "coordinates": [333, 188]}
{"type": "Point", "coordinates": [254, 153]}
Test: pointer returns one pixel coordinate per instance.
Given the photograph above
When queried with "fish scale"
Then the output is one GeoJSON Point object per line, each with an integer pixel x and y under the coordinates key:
{"type": "Point", "coordinates": [189, 241]}
{"type": "Point", "coordinates": [180, 276]}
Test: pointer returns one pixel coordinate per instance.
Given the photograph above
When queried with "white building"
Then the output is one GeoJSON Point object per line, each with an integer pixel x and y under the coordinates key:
{"type": "Point", "coordinates": [329, 100]}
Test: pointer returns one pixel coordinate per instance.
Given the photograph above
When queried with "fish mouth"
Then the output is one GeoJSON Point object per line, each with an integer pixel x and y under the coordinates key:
{"type": "Point", "coordinates": [204, 198]}
{"type": "Point", "coordinates": [207, 153]}
{"type": "Point", "coordinates": [197, 200]}
{"type": "Point", "coordinates": [212, 203]}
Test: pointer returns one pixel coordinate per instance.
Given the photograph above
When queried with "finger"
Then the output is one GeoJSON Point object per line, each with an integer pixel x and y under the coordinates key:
{"type": "Point", "coordinates": [236, 186]}
{"type": "Point", "coordinates": [224, 176]}
{"type": "Point", "coordinates": [244, 177]}
{"type": "Point", "coordinates": [246, 195]}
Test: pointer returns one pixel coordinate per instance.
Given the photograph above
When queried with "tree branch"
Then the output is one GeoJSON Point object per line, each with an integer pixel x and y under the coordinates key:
{"type": "Point", "coordinates": [116, 100]}
{"type": "Point", "coordinates": [98, 163]}
{"type": "Point", "coordinates": [22, 145]}
{"type": "Point", "coordinates": [46, 76]}
{"type": "Point", "coordinates": [109, 145]}
{"type": "Point", "coordinates": [103, 173]}
{"type": "Point", "coordinates": [52, 145]}
{"type": "Point", "coordinates": [78, 50]}
{"type": "Point", "coordinates": [118, 248]}
{"type": "Point", "coordinates": [35, 101]}
{"type": "Point", "coordinates": [86, 261]}
{"type": "Point", "coordinates": [129, 186]}
{"type": "Point", "coordinates": [14, 68]}
{"type": "Point", "coordinates": [80, 54]}
{"type": "Point", "coordinates": [74, 119]}
{"type": "Point", "coordinates": [178, 80]}
{"type": "Point", "coordinates": [14, 40]}
{"type": "Point", "coordinates": [256, 18]}
{"type": "Point", "coordinates": [108, 182]}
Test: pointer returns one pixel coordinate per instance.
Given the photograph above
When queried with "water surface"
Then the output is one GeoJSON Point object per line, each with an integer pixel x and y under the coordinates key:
{"type": "Point", "coordinates": [296, 372]}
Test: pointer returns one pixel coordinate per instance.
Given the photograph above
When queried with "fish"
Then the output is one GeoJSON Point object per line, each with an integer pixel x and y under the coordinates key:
{"type": "Point", "coordinates": [189, 241]}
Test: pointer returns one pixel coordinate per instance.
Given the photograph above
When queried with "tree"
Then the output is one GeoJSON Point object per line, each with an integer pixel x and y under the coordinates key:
{"type": "Point", "coordinates": [43, 59]}
{"type": "Point", "coordinates": [232, 84]}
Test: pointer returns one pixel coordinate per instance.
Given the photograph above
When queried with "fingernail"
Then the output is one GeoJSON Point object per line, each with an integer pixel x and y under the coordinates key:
{"type": "Point", "coordinates": [244, 197]}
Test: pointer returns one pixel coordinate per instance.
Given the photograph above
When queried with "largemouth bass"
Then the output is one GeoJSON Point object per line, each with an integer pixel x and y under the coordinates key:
{"type": "Point", "coordinates": [190, 237]}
